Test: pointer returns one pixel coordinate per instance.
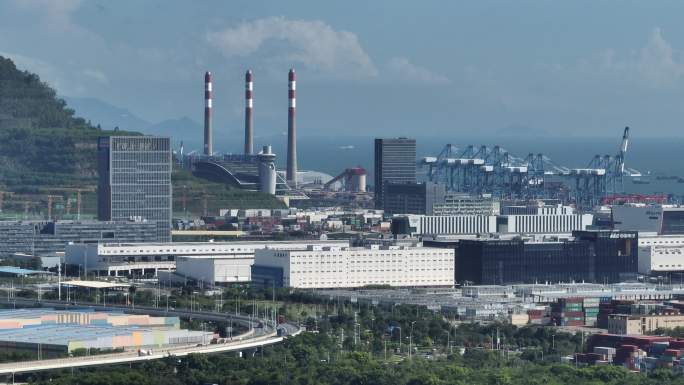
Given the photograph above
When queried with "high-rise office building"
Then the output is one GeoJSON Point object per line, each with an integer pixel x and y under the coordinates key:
{"type": "Point", "coordinates": [135, 181]}
{"type": "Point", "coordinates": [395, 162]}
{"type": "Point", "coordinates": [412, 198]}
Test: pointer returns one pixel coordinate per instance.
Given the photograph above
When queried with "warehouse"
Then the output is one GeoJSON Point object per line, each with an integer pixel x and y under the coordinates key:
{"type": "Point", "coordinates": [207, 262]}
{"type": "Point", "coordinates": [57, 332]}
{"type": "Point", "coordinates": [54, 340]}
{"type": "Point", "coordinates": [19, 318]}
{"type": "Point", "coordinates": [320, 267]}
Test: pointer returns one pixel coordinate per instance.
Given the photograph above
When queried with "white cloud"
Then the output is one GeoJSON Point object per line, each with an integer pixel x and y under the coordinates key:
{"type": "Point", "coordinates": [312, 43]}
{"type": "Point", "coordinates": [54, 13]}
{"type": "Point", "coordinates": [656, 64]}
{"type": "Point", "coordinates": [96, 75]}
{"type": "Point", "coordinates": [403, 68]}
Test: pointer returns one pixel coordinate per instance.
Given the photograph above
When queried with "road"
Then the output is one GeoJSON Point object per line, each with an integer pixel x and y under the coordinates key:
{"type": "Point", "coordinates": [252, 339]}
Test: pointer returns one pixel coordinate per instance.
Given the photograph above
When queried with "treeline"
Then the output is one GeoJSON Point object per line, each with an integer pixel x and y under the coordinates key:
{"type": "Point", "coordinates": [307, 360]}
{"type": "Point", "coordinates": [42, 141]}
{"type": "Point", "coordinates": [31, 102]}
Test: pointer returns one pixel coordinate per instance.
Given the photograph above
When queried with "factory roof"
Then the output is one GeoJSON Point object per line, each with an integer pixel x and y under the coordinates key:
{"type": "Point", "coordinates": [19, 271]}
{"type": "Point", "coordinates": [62, 334]}
{"type": "Point", "coordinates": [34, 313]}
{"type": "Point", "coordinates": [94, 284]}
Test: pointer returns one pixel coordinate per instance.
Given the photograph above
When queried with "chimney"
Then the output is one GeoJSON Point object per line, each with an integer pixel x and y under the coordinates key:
{"type": "Point", "coordinates": [291, 174]}
{"type": "Point", "coordinates": [208, 147]}
{"type": "Point", "coordinates": [249, 120]}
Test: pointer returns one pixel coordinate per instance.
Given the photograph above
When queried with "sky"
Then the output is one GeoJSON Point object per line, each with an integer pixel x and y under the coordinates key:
{"type": "Point", "coordinates": [375, 68]}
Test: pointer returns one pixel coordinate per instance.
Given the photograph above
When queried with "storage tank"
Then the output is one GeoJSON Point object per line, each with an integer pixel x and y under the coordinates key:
{"type": "Point", "coordinates": [267, 171]}
{"type": "Point", "coordinates": [357, 179]}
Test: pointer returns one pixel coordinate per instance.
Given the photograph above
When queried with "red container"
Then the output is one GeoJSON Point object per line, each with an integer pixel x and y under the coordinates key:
{"type": "Point", "coordinates": [679, 344]}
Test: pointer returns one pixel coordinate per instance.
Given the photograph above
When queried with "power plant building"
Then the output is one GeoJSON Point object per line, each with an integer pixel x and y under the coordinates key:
{"type": "Point", "coordinates": [267, 171]}
{"type": "Point", "coordinates": [248, 171]}
{"type": "Point", "coordinates": [135, 181]}
{"type": "Point", "coordinates": [395, 162]}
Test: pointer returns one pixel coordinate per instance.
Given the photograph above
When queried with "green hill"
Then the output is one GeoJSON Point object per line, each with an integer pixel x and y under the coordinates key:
{"type": "Point", "coordinates": [42, 142]}
{"type": "Point", "coordinates": [46, 149]}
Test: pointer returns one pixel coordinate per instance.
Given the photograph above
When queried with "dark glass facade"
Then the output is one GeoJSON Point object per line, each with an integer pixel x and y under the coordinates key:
{"type": "Point", "coordinates": [593, 256]}
{"type": "Point", "coordinates": [412, 198]}
{"type": "Point", "coordinates": [267, 276]}
{"type": "Point", "coordinates": [673, 222]}
{"type": "Point", "coordinates": [395, 162]}
{"type": "Point", "coordinates": [135, 181]}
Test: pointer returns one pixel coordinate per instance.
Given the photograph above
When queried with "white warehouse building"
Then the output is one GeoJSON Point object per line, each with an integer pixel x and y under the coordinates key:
{"type": "Point", "coordinates": [320, 267]}
{"type": "Point", "coordinates": [660, 254]}
{"type": "Point", "coordinates": [489, 224]}
{"type": "Point", "coordinates": [208, 262]}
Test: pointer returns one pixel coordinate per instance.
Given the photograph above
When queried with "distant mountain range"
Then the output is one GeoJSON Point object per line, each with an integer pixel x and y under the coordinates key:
{"type": "Point", "coordinates": [110, 116]}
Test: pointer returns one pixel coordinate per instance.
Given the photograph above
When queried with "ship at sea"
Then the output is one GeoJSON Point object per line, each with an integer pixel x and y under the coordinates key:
{"type": "Point", "coordinates": [641, 181]}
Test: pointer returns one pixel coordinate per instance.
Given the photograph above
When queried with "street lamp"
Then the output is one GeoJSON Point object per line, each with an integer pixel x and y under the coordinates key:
{"type": "Point", "coordinates": [411, 339]}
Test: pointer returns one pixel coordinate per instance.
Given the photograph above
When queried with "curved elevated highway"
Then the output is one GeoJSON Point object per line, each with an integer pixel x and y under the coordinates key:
{"type": "Point", "coordinates": [249, 340]}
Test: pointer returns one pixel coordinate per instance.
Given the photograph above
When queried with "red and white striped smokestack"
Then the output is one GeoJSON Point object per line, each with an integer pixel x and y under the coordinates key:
{"type": "Point", "coordinates": [249, 120]}
{"type": "Point", "coordinates": [208, 147]}
{"type": "Point", "coordinates": [291, 173]}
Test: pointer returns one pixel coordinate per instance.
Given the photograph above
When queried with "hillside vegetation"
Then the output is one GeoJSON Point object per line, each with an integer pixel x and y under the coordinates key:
{"type": "Point", "coordinates": [46, 149]}
{"type": "Point", "coordinates": [42, 141]}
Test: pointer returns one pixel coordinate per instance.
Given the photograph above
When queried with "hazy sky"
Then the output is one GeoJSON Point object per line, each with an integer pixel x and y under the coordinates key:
{"type": "Point", "coordinates": [368, 67]}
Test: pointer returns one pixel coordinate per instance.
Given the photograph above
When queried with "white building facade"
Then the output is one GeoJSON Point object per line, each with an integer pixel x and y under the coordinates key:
{"type": "Point", "coordinates": [660, 253]}
{"type": "Point", "coordinates": [210, 262]}
{"type": "Point", "coordinates": [344, 267]}
{"type": "Point", "coordinates": [504, 224]}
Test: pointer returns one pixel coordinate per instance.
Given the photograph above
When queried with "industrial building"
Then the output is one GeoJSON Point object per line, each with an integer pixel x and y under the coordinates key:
{"type": "Point", "coordinates": [135, 181]}
{"type": "Point", "coordinates": [660, 219]}
{"type": "Point", "coordinates": [465, 204]}
{"type": "Point", "coordinates": [395, 162]}
{"type": "Point", "coordinates": [207, 262]}
{"type": "Point", "coordinates": [352, 180]}
{"type": "Point", "coordinates": [58, 332]}
{"type": "Point", "coordinates": [248, 171]}
{"type": "Point", "coordinates": [420, 225]}
{"type": "Point", "coordinates": [412, 198]}
{"type": "Point", "coordinates": [21, 318]}
{"type": "Point", "coordinates": [592, 256]}
{"type": "Point", "coordinates": [54, 340]}
{"type": "Point", "coordinates": [543, 224]}
{"type": "Point", "coordinates": [320, 267]}
{"type": "Point", "coordinates": [643, 323]}
{"type": "Point", "coordinates": [661, 254]}
{"type": "Point", "coordinates": [40, 238]}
